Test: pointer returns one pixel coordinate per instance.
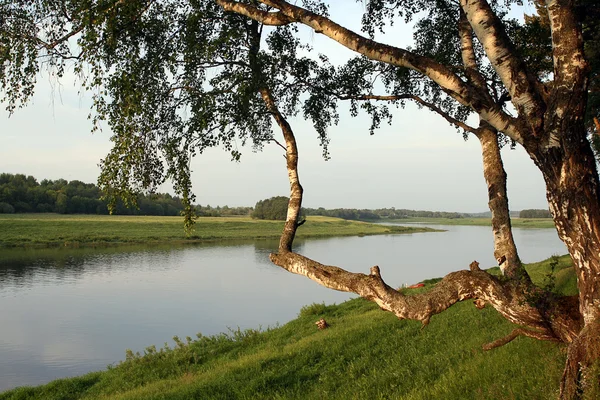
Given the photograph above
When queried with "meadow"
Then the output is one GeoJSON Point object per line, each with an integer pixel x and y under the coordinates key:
{"type": "Point", "coordinates": [90, 230]}
{"type": "Point", "coordinates": [364, 354]}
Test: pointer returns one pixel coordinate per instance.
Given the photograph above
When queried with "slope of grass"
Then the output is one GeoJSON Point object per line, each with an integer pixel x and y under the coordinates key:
{"type": "Point", "coordinates": [516, 222]}
{"type": "Point", "coordinates": [365, 354]}
{"type": "Point", "coordinates": [55, 229]}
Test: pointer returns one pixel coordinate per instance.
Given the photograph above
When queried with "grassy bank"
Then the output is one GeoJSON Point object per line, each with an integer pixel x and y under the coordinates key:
{"type": "Point", "coordinates": [365, 354]}
{"type": "Point", "coordinates": [60, 230]}
{"type": "Point", "coordinates": [516, 222]}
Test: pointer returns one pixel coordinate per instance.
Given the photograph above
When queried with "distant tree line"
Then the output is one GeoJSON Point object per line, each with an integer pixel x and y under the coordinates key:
{"type": "Point", "coordinates": [24, 194]}
{"type": "Point", "coordinates": [380, 213]}
{"type": "Point", "coordinates": [225, 211]}
{"type": "Point", "coordinates": [535, 213]}
{"type": "Point", "coordinates": [275, 208]}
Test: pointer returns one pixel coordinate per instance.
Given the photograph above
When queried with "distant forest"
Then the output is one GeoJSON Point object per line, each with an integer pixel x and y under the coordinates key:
{"type": "Point", "coordinates": [24, 194]}
{"type": "Point", "coordinates": [380, 213]}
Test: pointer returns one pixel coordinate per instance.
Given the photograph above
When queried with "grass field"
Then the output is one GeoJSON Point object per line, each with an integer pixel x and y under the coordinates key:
{"type": "Point", "coordinates": [65, 230]}
{"type": "Point", "coordinates": [516, 222]}
{"type": "Point", "coordinates": [365, 354]}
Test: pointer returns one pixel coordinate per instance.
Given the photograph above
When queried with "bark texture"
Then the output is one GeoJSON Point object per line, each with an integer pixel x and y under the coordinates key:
{"type": "Point", "coordinates": [291, 156]}
{"type": "Point", "coordinates": [505, 250]}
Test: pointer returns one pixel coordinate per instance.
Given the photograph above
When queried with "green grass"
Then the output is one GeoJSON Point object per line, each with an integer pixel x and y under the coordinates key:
{"type": "Point", "coordinates": [516, 222]}
{"type": "Point", "coordinates": [73, 230]}
{"type": "Point", "coordinates": [365, 354]}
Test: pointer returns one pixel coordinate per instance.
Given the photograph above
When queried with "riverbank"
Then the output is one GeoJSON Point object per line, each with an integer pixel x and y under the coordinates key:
{"type": "Point", "coordinates": [516, 222]}
{"type": "Point", "coordinates": [365, 353]}
{"type": "Point", "coordinates": [96, 230]}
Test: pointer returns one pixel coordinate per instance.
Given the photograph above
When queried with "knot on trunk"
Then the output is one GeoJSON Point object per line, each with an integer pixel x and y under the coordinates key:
{"type": "Point", "coordinates": [474, 266]}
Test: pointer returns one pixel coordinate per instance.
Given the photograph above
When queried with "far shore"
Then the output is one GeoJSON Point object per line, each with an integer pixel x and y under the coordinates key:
{"type": "Point", "coordinates": [58, 230]}
{"type": "Point", "coordinates": [538, 223]}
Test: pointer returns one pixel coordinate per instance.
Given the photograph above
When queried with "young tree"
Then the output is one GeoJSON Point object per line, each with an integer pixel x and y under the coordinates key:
{"type": "Point", "coordinates": [150, 61]}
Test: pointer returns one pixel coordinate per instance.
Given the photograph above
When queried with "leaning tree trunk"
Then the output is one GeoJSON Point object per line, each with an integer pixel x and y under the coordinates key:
{"type": "Point", "coordinates": [291, 157]}
{"type": "Point", "coordinates": [505, 250]}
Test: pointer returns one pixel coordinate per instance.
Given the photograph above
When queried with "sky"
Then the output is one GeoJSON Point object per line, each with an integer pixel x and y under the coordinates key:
{"type": "Point", "coordinates": [419, 162]}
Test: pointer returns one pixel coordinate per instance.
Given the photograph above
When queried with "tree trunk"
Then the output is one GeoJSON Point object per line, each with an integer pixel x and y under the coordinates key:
{"type": "Point", "coordinates": [291, 156]}
{"type": "Point", "coordinates": [572, 192]}
{"type": "Point", "coordinates": [505, 250]}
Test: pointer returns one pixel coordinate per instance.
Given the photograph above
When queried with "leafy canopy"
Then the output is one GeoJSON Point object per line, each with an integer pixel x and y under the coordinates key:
{"type": "Point", "coordinates": [169, 78]}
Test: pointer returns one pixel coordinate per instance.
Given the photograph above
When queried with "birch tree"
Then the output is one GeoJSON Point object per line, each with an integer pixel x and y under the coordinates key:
{"type": "Point", "coordinates": [175, 77]}
{"type": "Point", "coordinates": [548, 123]}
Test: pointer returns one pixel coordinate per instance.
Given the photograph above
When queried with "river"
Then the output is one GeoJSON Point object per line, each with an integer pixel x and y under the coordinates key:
{"type": "Point", "coordinates": [68, 311]}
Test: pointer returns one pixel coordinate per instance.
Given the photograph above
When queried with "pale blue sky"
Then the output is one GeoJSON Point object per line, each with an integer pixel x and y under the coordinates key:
{"type": "Point", "coordinates": [420, 162]}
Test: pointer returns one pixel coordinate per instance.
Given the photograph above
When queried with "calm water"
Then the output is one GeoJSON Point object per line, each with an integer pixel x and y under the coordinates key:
{"type": "Point", "coordinates": [64, 312]}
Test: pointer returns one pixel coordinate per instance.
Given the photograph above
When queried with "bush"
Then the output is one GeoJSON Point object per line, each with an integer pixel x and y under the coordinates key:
{"type": "Point", "coordinates": [6, 208]}
{"type": "Point", "coordinates": [274, 208]}
{"type": "Point", "coordinates": [314, 309]}
{"type": "Point", "coordinates": [535, 213]}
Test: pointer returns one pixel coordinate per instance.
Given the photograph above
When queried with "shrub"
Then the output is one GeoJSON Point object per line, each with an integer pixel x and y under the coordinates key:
{"type": "Point", "coordinates": [274, 208]}
{"type": "Point", "coordinates": [535, 213]}
{"type": "Point", "coordinates": [6, 208]}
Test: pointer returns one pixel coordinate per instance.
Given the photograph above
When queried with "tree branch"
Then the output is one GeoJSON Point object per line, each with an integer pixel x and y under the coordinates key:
{"type": "Point", "coordinates": [80, 28]}
{"type": "Point", "coordinates": [265, 17]}
{"type": "Point", "coordinates": [469, 60]}
{"type": "Point", "coordinates": [456, 286]}
{"type": "Point", "coordinates": [462, 92]}
{"type": "Point", "coordinates": [567, 44]}
{"type": "Point", "coordinates": [278, 144]}
{"type": "Point", "coordinates": [516, 333]}
{"type": "Point", "coordinates": [415, 98]}
{"type": "Point", "coordinates": [522, 87]}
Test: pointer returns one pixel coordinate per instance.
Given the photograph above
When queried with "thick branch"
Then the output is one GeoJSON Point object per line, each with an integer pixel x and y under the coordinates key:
{"type": "Point", "coordinates": [499, 49]}
{"type": "Point", "coordinates": [567, 45]}
{"type": "Point", "coordinates": [265, 17]}
{"type": "Point", "coordinates": [465, 32]}
{"type": "Point", "coordinates": [457, 286]}
{"type": "Point", "coordinates": [569, 90]}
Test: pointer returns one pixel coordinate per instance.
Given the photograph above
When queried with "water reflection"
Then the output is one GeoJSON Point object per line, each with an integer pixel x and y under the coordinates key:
{"type": "Point", "coordinates": [65, 312]}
